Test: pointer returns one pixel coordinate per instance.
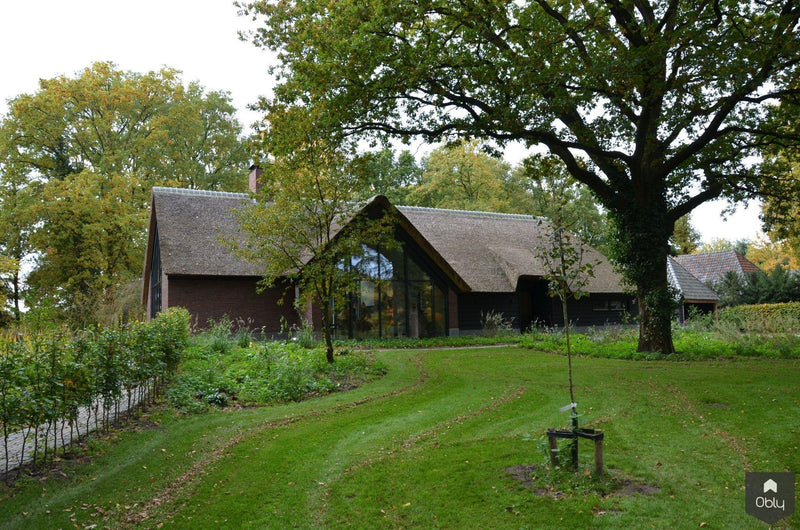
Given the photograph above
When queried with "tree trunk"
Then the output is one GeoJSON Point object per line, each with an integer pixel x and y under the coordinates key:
{"type": "Point", "coordinates": [655, 322]}
{"type": "Point", "coordinates": [656, 301]}
{"type": "Point", "coordinates": [641, 246]}
{"type": "Point", "coordinates": [326, 332]}
{"type": "Point", "coordinates": [16, 294]}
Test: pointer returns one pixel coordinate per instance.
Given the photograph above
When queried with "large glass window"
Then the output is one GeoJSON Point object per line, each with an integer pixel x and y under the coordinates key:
{"type": "Point", "coordinates": [395, 297]}
{"type": "Point", "coordinates": [155, 276]}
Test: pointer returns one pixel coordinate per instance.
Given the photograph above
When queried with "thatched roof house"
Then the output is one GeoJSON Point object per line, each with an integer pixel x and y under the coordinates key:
{"type": "Point", "coordinates": [453, 267]}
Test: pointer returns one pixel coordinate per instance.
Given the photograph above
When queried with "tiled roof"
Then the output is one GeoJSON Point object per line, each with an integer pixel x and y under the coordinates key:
{"type": "Point", "coordinates": [712, 266]}
{"type": "Point", "coordinates": [690, 288]}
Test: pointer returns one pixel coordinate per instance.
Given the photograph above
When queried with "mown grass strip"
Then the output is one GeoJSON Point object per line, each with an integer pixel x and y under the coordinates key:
{"type": "Point", "coordinates": [434, 450]}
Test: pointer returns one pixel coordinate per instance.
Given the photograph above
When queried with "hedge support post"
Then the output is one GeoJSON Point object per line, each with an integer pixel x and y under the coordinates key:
{"type": "Point", "coordinates": [552, 442]}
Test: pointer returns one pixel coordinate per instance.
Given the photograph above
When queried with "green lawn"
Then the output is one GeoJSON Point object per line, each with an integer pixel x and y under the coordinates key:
{"type": "Point", "coordinates": [431, 444]}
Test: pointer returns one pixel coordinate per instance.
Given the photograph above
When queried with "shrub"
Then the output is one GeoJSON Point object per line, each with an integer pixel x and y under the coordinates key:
{"type": "Point", "coordinates": [264, 373]}
{"type": "Point", "coordinates": [493, 324]}
{"type": "Point", "coordinates": [764, 318]}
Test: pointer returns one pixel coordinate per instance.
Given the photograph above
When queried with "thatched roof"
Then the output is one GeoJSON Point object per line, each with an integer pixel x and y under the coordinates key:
{"type": "Point", "coordinates": [192, 225]}
{"type": "Point", "coordinates": [691, 289]}
{"type": "Point", "coordinates": [491, 251]}
{"type": "Point", "coordinates": [480, 252]}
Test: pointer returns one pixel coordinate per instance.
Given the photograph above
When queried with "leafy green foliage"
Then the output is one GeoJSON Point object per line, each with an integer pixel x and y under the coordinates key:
{"type": "Point", "coordinates": [77, 161]}
{"type": "Point", "coordinates": [778, 286]}
{"type": "Point", "coordinates": [462, 177]}
{"type": "Point", "coordinates": [387, 173]}
{"type": "Point", "coordinates": [761, 318]}
{"type": "Point", "coordinates": [262, 373]}
{"type": "Point", "coordinates": [48, 376]}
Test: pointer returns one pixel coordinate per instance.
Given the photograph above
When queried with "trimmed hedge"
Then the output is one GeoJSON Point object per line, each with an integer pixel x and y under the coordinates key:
{"type": "Point", "coordinates": [47, 378]}
{"type": "Point", "coordinates": [764, 318]}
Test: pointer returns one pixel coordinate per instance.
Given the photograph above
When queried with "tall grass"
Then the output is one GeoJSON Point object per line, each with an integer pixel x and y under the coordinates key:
{"type": "Point", "coordinates": [723, 336]}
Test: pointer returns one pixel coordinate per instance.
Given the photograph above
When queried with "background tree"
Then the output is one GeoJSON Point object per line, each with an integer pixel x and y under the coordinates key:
{"type": "Point", "coordinates": [462, 177]}
{"type": "Point", "coordinates": [80, 156]}
{"type": "Point", "coordinates": [92, 240]}
{"type": "Point", "coordinates": [385, 173]}
{"type": "Point", "coordinates": [685, 238]}
{"type": "Point", "coordinates": [559, 197]}
{"type": "Point", "coordinates": [8, 268]}
{"type": "Point", "coordinates": [719, 244]}
{"type": "Point", "coordinates": [17, 197]}
{"type": "Point", "coordinates": [777, 286]}
{"type": "Point", "coordinates": [654, 105]}
{"type": "Point", "coordinates": [768, 254]}
{"type": "Point", "coordinates": [304, 228]}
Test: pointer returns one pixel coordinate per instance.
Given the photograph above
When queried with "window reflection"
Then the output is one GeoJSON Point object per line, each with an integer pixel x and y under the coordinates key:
{"type": "Point", "coordinates": [396, 297]}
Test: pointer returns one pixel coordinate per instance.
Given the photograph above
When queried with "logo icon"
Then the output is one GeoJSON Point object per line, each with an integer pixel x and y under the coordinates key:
{"type": "Point", "coordinates": [769, 496]}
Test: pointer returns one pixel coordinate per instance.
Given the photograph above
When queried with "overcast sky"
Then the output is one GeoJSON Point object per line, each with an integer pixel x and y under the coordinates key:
{"type": "Point", "coordinates": [46, 38]}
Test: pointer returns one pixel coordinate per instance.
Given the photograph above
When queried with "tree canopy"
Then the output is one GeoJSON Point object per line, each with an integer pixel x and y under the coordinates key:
{"type": "Point", "coordinates": [655, 105]}
{"type": "Point", "coordinates": [305, 227]}
{"type": "Point", "coordinates": [462, 177]}
{"type": "Point", "coordinates": [77, 161]}
{"type": "Point", "coordinates": [385, 173]}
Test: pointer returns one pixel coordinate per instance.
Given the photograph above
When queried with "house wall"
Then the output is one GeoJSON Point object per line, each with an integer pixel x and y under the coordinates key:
{"type": "Point", "coordinates": [525, 307]}
{"type": "Point", "coordinates": [452, 313]}
{"type": "Point", "coordinates": [212, 298]}
{"type": "Point", "coordinates": [472, 305]}
{"type": "Point", "coordinates": [596, 310]}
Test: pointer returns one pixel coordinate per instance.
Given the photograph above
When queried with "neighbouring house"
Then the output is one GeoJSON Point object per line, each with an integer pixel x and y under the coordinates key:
{"type": "Point", "coordinates": [452, 268]}
{"type": "Point", "coordinates": [693, 295]}
{"type": "Point", "coordinates": [712, 266]}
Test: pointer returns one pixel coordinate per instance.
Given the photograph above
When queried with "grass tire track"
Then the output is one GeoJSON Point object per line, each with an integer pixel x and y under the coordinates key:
{"type": "Point", "coordinates": [173, 491]}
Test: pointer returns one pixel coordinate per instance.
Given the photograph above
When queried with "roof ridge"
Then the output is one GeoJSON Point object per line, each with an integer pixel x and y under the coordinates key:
{"type": "Point", "coordinates": [200, 193]}
{"type": "Point", "coordinates": [473, 213]}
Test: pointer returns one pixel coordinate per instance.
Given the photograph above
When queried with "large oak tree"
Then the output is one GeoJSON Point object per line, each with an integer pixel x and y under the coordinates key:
{"type": "Point", "coordinates": [654, 104]}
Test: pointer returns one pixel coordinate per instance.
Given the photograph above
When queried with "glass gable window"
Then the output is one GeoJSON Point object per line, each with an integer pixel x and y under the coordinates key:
{"type": "Point", "coordinates": [395, 297]}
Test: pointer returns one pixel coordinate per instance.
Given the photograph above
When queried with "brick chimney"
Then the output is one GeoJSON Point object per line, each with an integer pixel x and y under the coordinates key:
{"type": "Point", "coordinates": [255, 178]}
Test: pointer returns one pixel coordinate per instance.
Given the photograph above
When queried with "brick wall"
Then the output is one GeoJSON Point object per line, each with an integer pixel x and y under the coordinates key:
{"type": "Point", "coordinates": [212, 298]}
